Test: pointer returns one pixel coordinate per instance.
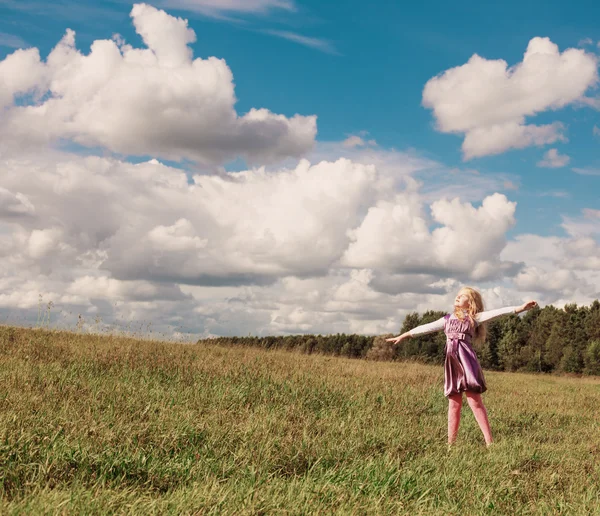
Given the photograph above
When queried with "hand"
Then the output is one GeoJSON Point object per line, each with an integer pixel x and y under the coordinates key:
{"type": "Point", "coordinates": [526, 306]}
{"type": "Point", "coordinates": [395, 340]}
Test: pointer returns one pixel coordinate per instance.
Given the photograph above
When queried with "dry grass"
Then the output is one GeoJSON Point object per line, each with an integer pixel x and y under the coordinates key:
{"type": "Point", "coordinates": [94, 425]}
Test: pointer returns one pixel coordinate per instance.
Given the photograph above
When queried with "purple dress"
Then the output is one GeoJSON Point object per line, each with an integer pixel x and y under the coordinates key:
{"type": "Point", "coordinates": [462, 371]}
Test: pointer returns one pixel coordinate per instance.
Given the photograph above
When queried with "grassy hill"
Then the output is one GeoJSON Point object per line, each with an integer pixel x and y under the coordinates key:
{"type": "Point", "coordinates": [99, 424]}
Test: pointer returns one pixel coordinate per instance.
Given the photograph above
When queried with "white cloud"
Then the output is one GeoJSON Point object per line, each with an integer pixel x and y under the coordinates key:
{"type": "Point", "coordinates": [43, 241]}
{"type": "Point", "coordinates": [357, 141]}
{"type": "Point", "coordinates": [586, 225]}
{"type": "Point", "coordinates": [181, 236]}
{"type": "Point", "coordinates": [560, 270]}
{"type": "Point", "coordinates": [349, 240]}
{"type": "Point", "coordinates": [297, 228]}
{"type": "Point", "coordinates": [395, 236]}
{"type": "Point", "coordinates": [216, 7]}
{"type": "Point", "coordinates": [596, 131]}
{"type": "Point", "coordinates": [558, 194]}
{"type": "Point", "coordinates": [20, 72]}
{"type": "Point", "coordinates": [153, 101]}
{"type": "Point", "coordinates": [14, 205]}
{"type": "Point", "coordinates": [553, 159]}
{"type": "Point", "coordinates": [316, 43]}
{"type": "Point", "coordinates": [211, 231]}
{"type": "Point", "coordinates": [488, 102]}
{"type": "Point", "coordinates": [587, 171]}
{"type": "Point", "coordinates": [11, 41]}
{"type": "Point", "coordinates": [93, 287]}
{"type": "Point", "coordinates": [536, 280]}
{"type": "Point", "coordinates": [124, 242]}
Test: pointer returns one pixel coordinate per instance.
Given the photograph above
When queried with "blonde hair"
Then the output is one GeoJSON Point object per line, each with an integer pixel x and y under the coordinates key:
{"type": "Point", "coordinates": [475, 306]}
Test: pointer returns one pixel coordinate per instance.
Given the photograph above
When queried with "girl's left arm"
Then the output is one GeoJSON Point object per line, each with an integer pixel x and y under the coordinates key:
{"type": "Point", "coordinates": [490, 315]}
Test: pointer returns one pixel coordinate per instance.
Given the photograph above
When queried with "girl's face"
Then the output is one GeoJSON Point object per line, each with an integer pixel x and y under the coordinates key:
{"type": "Point", "coordinates": [461, 300]}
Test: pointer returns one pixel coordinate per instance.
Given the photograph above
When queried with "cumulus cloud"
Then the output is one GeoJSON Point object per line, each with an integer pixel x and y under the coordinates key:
{"type": "Point", "coordinates": [553, 159]}
{"type": "Point", "coordinates": [588, 224]}
{"type": "Point", "coordinates": [536, 280]}
{"type": "Point", "coordinates": [103, 287]}
{"type": "Point", "coordinates": [349, 240]}
{"type": "Point", "coordinates": [14, 204]}
{"type": "Point", "coordinates": [107, 237]}
{"type": "Point", "coordinates": [560, 269]}
{"type": "Point", "coordinates": [396, 236]}
{"type": "Point", "coordinates": [21, 72]}
{"type": "Point", "coordinates": [155, 101]}
{"type": "Point", "coordinates": [297, 228]}
{"type": "Point", "coordinates": [154, 225]}
{"type": "Point", "coordinates": [488, 101]}
{"type": "Point", "coordinates": [357, 141]}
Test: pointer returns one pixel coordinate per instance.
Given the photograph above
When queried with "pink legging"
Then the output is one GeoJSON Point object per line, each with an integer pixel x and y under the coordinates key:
{"type": "Point", "coordinates": [478, 408]}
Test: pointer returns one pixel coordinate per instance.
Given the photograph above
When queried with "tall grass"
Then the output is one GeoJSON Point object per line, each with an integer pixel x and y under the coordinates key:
{"type": "Point", "coordinates": [95, 425]}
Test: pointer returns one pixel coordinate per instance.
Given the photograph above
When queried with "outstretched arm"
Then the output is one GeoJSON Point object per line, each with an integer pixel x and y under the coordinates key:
{"type": "Point", "coordinates": [490, 315]}
{"type": "Point", "coordinates": [424, 329]}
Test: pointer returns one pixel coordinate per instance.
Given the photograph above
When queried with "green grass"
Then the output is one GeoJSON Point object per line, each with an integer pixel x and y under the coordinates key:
{"type": "Point", "coordinates": [105, 424]}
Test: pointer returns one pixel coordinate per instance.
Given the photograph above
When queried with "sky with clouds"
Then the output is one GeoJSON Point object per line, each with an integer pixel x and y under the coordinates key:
{"type": "Point", "coordinates": [233, 167]}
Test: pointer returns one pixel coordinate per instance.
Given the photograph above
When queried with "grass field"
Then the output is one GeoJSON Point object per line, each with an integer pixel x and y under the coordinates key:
{"type": "Point", "coordinates": [105, 424]}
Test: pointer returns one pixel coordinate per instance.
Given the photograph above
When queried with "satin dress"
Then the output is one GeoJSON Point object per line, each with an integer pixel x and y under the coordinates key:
{"type": "Point", "coordinates": [462, 371]}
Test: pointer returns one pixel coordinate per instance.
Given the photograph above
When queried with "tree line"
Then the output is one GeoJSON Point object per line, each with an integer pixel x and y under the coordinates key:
{"type": "Point", "coordinates": [548, 339]}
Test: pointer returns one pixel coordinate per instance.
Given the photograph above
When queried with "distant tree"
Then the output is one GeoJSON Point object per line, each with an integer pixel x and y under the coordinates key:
{"type": "Point", "coordinates": [538, 327]}
{"type": "Point", "coordinates": [592, 323]}
{"type": "Point", "coordinates": [557, 341]}
{"type": "Point", "coordinates": [489, 353]}
{"type": "Point", "coordinates": [381, 349]}
{"type": "Point", "coordinates": [432, 346]}
{"type": "Point", "coordinates": [592, 358]}
{"type": "Point", "coordinates": [408, 348]}
{"type": "Point", "coordinates": [511, 344]}
{"type": "Point", "coordinates": [572, 360]}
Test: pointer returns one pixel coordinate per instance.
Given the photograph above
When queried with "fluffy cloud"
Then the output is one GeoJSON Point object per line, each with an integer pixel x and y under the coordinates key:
{"type": "Point", "coordinates": [560, 269]}
{"type": "Point", "coordinates": [14, 204]}
{"type": "Point", "coordinates": [297, 228]}
{"type": "Point", "coordinates": [488, 102]}
{"type": "Point", "coordinates": [349, 240]}
{"type": "Point", "coordinates": [395, 236]}
{"type": "Point", "coordinates": [153, 101]}
{"type": "Point", "coordinates": [553, 159]}
{"type": "Point", "coordinates": [588, 224]}
{"type": "Point", "coordinates": [357, 141]}
{"type": "Point", "coordinates": [259, 250]}
{"type": "Point", "coordinates": [147, 222]}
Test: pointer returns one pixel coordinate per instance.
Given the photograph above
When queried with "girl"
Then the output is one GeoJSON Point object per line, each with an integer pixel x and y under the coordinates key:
{"type": "Point", "coordinates": [462, 372]}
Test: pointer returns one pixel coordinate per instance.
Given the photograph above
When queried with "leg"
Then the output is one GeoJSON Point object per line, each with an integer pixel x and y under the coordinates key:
{"type": "Point", "coordinates": [478, 408]}
{"type": "Point", "coordinates": [454, 406]}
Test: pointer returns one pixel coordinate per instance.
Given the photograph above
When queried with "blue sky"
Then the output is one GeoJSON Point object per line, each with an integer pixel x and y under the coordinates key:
{"type": "Point", "coordinates": [362, 68]}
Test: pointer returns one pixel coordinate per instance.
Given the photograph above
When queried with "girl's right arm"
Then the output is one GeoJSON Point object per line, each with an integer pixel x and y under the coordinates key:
{"type": "Point", "coordinates": [490, 315]}
{"type": "Point", "coordinates": [424, 329]}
